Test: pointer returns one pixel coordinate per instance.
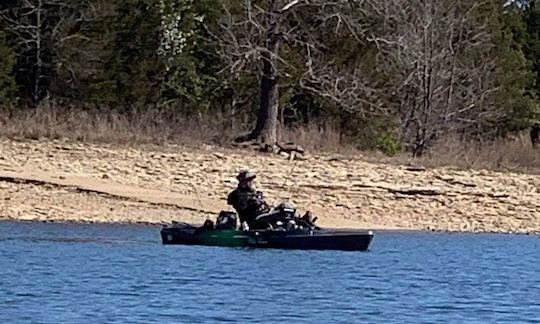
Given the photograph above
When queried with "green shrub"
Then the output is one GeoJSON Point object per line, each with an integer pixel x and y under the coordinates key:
{"type": "Point", "coordinates": [389, 144]}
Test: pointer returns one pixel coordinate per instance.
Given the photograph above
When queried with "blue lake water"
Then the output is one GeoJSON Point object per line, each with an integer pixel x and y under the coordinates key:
{"type": "Point", "coordinates": [68, 273]}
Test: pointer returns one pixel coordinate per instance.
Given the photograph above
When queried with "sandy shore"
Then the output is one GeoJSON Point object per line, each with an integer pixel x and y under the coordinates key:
{"type": "Point", "coordinates": [61, 181]}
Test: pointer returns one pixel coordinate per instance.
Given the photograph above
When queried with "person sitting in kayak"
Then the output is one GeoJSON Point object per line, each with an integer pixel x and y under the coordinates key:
{"type": "Point", "coordinates": [246, 200]}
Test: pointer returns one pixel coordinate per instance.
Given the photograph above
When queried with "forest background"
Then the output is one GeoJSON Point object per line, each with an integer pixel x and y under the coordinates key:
{"type": "Point", "coordinates": [451, 80]}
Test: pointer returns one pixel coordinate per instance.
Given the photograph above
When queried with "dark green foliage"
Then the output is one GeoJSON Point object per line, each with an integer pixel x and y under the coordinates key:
{"type": "Point", "coordinates": [7, 82]}
{"type": "Point", "coordinates": [134, 67]}
{"type": "Point", "coordinates": [516, 98]}
{"type": "Point", "coordinates": [135, 74]}
{"type": "Point", "coordinates": [191, 78]}
{"type": "Point", "coordinates": [83, 77]}
{"type": "Point", "coordinates": [531, 38]}
{"type": "Point", "coordinates": [531, 48]}
{"type": "Point", "coordinates": [389, 144]}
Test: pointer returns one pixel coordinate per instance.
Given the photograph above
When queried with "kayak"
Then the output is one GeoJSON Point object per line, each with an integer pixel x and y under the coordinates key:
{"type": "Point", "coordinates": [302, 239]}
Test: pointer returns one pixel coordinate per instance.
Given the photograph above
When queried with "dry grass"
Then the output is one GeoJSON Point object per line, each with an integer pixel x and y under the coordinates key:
{"type": "Point", "coordinates": [145, 127]}
{"type": "Point", "coordinates": [511, 154]}
{"type": "Point", "coordinates": [316, 138]}
{"type": "Point", "coordinates": [155, 127]}
{"type": "Point", "coordinates": [149, 127]}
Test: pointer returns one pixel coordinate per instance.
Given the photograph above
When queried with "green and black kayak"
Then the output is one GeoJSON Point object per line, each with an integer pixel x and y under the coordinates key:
{"type": "Point", "coordinates": [303, 239]}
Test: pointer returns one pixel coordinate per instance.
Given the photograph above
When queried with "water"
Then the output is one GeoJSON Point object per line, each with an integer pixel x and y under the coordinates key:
{"type": "Point", "coordinates": [66, 273]}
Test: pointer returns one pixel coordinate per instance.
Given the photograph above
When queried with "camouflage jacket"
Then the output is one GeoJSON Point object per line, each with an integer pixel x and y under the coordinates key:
{"type": "Point", "coordinates": [248, 204]}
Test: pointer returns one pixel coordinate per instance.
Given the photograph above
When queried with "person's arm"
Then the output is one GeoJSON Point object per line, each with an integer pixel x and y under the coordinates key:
{"type": "Point", "coordinates": [262, 205]}
{"type": "Point", "coordinates": [260, 196]}
{"type": "Point", "coordinates": [230, 199]}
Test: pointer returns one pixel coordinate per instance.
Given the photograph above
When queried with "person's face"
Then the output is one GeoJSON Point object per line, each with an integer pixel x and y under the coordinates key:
{"type": "Point", "coordinates": [251, 184]}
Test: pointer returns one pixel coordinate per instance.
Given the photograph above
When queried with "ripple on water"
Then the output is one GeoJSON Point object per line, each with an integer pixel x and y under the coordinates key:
{"type": "Point", "coordinates": [62, 273]}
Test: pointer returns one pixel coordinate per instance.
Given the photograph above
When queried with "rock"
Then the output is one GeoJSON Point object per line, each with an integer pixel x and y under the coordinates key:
{"type": "Point", "coordinates": [413, 168]}
{"type": "Point", "coordinates": [207, 147]}
{"type": "Point", "coordinates": [284, 154]}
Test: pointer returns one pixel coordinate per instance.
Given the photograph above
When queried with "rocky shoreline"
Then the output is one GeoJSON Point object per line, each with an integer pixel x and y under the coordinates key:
{"type": "Point", "coordinates": [75, 182]}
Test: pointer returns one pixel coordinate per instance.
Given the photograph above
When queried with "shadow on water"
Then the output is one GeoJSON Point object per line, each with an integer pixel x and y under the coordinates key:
{"type": "Point", "coordinates": [72, 273]}
{"type": "Point", "coordinates": [77, 233]}
{"type": "Point", "coordinates": [75, 240]}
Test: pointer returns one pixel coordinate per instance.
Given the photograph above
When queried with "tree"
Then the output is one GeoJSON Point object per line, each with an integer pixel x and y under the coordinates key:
{"type": "Point", "coordinates": [36, 29]}
{"type": "Point", "coordinates": [135, 70]}
{"type": "Point", "coordinates": [531, 39]}
{"type": "Point", "coordinates": [158, 57]}
{"type": "Point", "coordinates": [7, 82]}
{"type": "Point", "coordinates": [190, 62]}
{"type": "Point", "coordinates": [82, 57]}
{"type": "Point", "coordinates": [254, 35]}
{"type": "Point", "coordinates": [517, 96]}
{"type": "Point", "coordinates": [448, 59]}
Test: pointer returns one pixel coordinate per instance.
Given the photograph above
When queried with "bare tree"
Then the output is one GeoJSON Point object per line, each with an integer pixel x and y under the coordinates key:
{"type": "Point", "coordinates": [439, 54]}
{"type": "Point", "coordinates": [252, 32]}
{"type": "Point", "coordinates": [38, 28]}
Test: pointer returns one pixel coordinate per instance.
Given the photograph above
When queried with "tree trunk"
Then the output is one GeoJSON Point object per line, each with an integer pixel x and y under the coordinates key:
{"type": "Point", "coordinates": [267, 121]}
{"type": "Point", "coordinates": [265, 130]}
{"type": "Point", "coordinates": [39, 62]}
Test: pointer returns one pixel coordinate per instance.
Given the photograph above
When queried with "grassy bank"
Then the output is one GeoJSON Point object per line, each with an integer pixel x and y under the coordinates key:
{"type": "Point", "coordinates": [158, 127]}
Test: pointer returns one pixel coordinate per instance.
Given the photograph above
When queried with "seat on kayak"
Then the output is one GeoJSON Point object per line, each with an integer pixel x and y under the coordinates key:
{"type": "Point", "coordinates": [226, 220]}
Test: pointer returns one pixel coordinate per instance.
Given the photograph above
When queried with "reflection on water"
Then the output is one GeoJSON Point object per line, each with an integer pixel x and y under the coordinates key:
{"type": "Point", "coordinates": [65, 273]}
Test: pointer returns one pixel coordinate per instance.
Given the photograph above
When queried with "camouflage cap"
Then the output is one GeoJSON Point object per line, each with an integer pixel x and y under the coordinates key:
{"type": "Point", "coordinates": [245, 175]}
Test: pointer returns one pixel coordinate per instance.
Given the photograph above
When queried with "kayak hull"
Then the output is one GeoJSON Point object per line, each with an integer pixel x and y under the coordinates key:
{"type": "Point", "coordinates": [298, 240]}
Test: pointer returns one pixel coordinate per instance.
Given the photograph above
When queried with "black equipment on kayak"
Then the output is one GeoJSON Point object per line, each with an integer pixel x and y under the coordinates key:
{"type": "Point", "coordinates": [283, 212]}
{"type": "Point", "coordinates": [226, 220]}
